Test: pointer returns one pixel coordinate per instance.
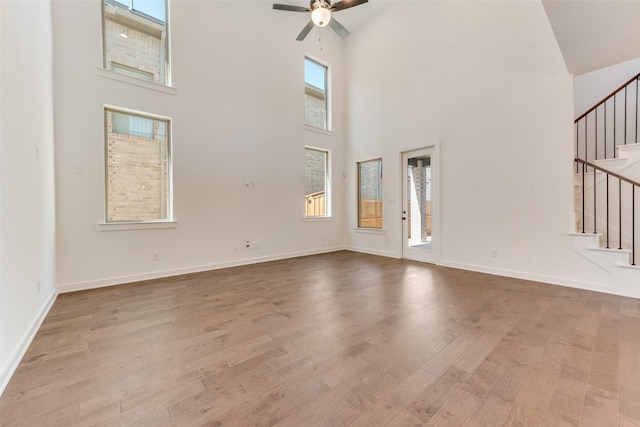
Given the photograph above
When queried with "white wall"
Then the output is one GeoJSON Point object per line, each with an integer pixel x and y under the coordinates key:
{"type": "Point", "coordinates": [591, 88]}
{"type": "Point", "coordinates": [484, 78]}
{"type": "Point", "coordinates": [488, 81]}
{"type": "Point", "coordinates": [27, 209]}
{"type": "Point", "coordinates": [238, 113]}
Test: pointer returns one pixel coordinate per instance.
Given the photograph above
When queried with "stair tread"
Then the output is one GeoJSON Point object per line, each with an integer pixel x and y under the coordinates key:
{"type": "Point", "coordinates": [612, 160]}
{"type": "Point", "coordinates": [632, 267]}
{"type": "Point", "coordinates": [599, 248]}
{"type": "Point", "coordinates": [633, 146]}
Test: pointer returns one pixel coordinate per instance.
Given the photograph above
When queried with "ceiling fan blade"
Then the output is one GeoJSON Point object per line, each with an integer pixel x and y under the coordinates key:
{"type": "Point", "coordinates": [346, 4]}
{"type": "Point", "coordinates": [290, 8]}
{"type": "Point", "coordinates": [306, 30]}
{"type": "Point", "coordinates": [338, 28]}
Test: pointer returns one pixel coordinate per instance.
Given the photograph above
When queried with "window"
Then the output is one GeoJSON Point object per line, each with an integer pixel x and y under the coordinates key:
{"type": "Point", "coordinates": [316, 182]}
{"type": "Point", "coordinates": [315, 95]}
{"type": "Point", "coordinates": [126, 124]}
{"type": "Point", "coordinates": [128, 71]}
{"type": "Point", "coordinates": [135, 39]}
{"type": "Point", "coordinates": [370, 194]}
{"type": "Point", "coordinates": [138, 167]}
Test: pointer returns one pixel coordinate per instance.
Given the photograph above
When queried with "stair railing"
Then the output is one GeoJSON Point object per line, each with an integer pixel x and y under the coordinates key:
{"type": "Point", "coordinates": [608, 124]}
{"type": "Point", "coordinates": [595, 169]}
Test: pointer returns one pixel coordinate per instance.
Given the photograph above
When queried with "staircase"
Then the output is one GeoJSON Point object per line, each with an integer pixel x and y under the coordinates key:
{"type": "Point", "coordinates": [607, 185]}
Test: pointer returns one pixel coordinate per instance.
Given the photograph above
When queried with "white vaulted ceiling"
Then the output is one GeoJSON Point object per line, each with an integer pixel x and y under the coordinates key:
{"type": "Point", "coordinates": [595, 34]}
{"type": "Point", "coordinates": [591, 34]}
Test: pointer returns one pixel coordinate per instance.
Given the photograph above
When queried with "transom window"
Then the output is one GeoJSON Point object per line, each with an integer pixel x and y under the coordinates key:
{"type": "Point", "coordinates": [136, 40]}
{"type": "Point", "coordinates": [370, 194]}
{"type": "Point", "coordinates": [138, 167]}
{"type": "Point", "coordinates": [315, 94]}
{"type": "Point", "coordinates": [316, 182]}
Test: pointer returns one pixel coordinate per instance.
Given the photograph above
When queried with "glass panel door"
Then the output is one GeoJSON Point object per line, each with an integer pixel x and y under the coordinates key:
{"type": "Point", "coordinates": [417, 215]}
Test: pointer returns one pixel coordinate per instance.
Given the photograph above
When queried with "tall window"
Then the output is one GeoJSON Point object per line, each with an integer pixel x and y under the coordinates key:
{"type": "Point", "coordinates": [370, 194]}
{"type": "Point", "coordinates": [135, 38]}
{"type": "Point", "coordinates": [315, 94]}
{"type": "Point", "coordinates": [138, 167]}
{"type": "Point", "coordinates": [316, 182]}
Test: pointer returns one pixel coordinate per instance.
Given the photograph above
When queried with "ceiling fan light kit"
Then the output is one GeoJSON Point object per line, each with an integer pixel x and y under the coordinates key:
{"type": "Point", "coordinates": [321, 14]}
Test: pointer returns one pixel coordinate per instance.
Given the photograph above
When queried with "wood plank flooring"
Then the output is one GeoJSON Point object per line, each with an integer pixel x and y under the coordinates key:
{"type": "Point", "coordinates": [340, 339]}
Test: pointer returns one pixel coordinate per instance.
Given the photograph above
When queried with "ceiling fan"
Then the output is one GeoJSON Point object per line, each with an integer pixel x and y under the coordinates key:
{"type": "Point", "coordinates": [321, 11]}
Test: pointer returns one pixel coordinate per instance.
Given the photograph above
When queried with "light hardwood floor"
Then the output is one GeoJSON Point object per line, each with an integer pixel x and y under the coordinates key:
{"type": "Point", "coordinates": [341, 339]}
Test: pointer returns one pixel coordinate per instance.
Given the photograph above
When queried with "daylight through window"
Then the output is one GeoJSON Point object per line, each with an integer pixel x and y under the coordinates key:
{"type": "Point", "coordinates": [138, 167]}
{"type": "Point", "coordinates": [316, 182]}
{"type": "Point", "coordinates": [370, 194]}
{"type": "Point", "coordinates": [315, 95]}
{"type": "Point", "coordinates": [136, 41]}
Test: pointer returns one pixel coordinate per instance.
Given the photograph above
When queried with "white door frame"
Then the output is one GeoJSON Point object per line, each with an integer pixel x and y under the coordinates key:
{"type": "Point", "coordinates": [431, 256]}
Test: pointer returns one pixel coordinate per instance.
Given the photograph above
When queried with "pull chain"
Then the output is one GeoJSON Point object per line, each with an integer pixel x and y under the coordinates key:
{"type": "Point", "coordinates": [320, 39]}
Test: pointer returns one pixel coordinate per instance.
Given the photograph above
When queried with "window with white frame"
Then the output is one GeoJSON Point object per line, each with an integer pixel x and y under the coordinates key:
{"type": "Point", "coordinates": [316, 103]}
{"type": "Point", "coordinates": [316, 183]}
{"type": "Point", "coordinates": [370, 194]}
{"type": "Point", "coordinates": [138, 167]}
{"type": "Point", "coordinates": [136, 40]}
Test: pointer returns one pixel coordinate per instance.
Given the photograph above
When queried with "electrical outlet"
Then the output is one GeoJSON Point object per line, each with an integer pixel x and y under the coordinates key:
{"type": "Point", "coordinates": [156, 256]}
{"type": "Point", "coordinates": [256, 246]}
{"type": "Point", "coordinates": [494, 254]}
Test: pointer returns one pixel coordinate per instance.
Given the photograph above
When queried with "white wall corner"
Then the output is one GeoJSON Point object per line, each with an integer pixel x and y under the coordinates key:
{"type": "Point", "coordinates": [12, 363]}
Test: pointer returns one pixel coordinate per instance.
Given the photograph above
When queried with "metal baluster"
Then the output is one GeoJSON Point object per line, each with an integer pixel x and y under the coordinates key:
{"type": "Point", "coordinates": [608, 211]}
{"type": "Point", "coordinates": [614, 126]}
{"type": "Point", "coordinates": [596, 143]}
{"type": "Point", "coordinates": [583, 207]}
{"type": "Point", "coordinates": [636, 139]}
{"type": "Point", "coordinates": [577, 155]}
{"type": "Point", "coordinates": [620, 213]}
{"type": "Point", "coordinates": [595, 210]}
{"type": "Point", "coordinates": [625, 115]}
{"type": "Point", "coordinates": [586, 149]}
{"type": "Point", "coordinates": [605, 131]}
{"type": "Point", "coordinates": [633, 225]}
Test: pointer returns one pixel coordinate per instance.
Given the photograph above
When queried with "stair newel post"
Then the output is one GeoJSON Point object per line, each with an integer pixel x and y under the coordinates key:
{"type": "Point", "coordinates": [608, 211]}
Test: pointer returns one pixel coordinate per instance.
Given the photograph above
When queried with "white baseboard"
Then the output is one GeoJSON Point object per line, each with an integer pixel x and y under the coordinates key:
{"type": "Point", "coordinates": [111, 281]}
{"type": "Point", "coordinates": [16, 356]}
{"type": "Point", "coordinates": [552, 280]}
{"type": "Point", "coordinates": [372, 252]}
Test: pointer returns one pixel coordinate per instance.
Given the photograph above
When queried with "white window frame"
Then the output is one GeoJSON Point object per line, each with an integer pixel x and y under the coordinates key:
{"type": "Point", "coordinates": [327, 93]}
{"type": "Point", "coordinates": [327, 184]}
{"type": "Point", "coordinates": [137, 23]}
{"type": "Point", "coordinates": [358, 193]}
{"type": "Point", "coordinates": [169, 221]}
{"type": "Point", "coordinates": [131, 72]}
